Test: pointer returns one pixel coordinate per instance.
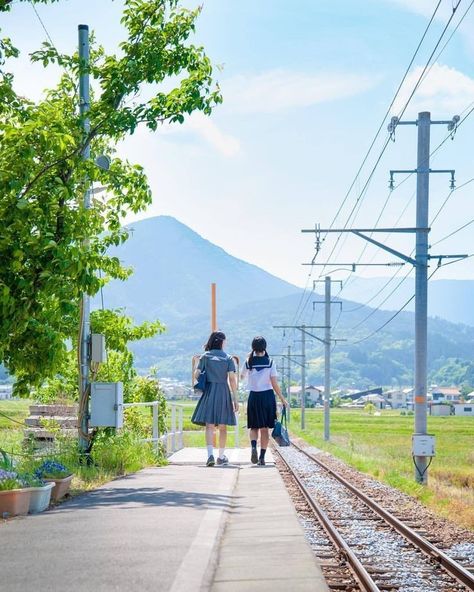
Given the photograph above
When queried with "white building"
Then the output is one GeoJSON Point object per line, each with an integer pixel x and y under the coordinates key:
{"type": "Point", "coordinates": [397, 399]}
{"type": "Point", "coordinates": [464, 409]}
{"type": "Point", "coordinates": [440, 409]}
{"type": "Point", "coordinates": [6, 391]}
{"type": "Point", "coordinates": [314, 394]}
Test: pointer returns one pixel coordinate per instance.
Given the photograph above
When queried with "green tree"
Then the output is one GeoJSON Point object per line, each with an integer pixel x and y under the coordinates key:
{"type": "Point", "coordinates": [119, 331]}
{"type": "Point", "coordinates": [43, 177]}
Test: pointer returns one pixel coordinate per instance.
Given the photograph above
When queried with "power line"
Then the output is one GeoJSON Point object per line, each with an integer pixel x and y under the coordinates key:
{"type": "Point", "coordinates": [362, 195]}
{"type": "Point", "coordinates": [393, 316]}
{"type": "Point", "coordinates": [364, 190]}
{"type": "Point", "coordinates": [43, 25]}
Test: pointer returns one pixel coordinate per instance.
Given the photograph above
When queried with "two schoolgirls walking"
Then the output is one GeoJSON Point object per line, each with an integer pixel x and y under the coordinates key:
{"type": "Point", "coordinates": [219, 404]}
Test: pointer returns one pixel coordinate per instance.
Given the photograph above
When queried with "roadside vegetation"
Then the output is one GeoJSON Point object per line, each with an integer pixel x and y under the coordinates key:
{"type": "Point", "coordinates": [114, 453]}
{"type": "Point", "coordinates": [380, 445]}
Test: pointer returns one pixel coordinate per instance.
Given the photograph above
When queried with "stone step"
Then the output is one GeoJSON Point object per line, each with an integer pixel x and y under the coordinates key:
{"type": "Point", "coordinates": [63, 422]}
{"type": "Point", "coordinates": [41, 433]}
{"type": "Point", "coordinates": [54, 410]}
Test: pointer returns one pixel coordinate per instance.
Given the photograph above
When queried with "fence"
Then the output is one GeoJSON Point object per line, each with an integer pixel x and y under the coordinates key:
{"type": "Point", "coordinates": [172, 440]}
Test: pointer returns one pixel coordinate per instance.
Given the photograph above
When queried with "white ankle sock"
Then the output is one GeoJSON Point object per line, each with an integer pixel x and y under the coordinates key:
{"type": "Point", "coordinates": [221, 452]}
{"type": "Point", "coordinates": [210, 450]}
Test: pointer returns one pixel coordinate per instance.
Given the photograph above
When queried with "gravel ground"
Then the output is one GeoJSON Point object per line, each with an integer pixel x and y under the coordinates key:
{"type": "Point", "coordinates": [378, 546]}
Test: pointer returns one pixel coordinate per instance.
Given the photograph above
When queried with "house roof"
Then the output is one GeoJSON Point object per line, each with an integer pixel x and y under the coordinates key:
{"type": "Point", "coordinates": [444, 390]}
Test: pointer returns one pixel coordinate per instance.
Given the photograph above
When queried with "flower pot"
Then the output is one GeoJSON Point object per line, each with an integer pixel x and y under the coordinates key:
{"type": "Point", "coordinates": [40, 498]}
{"type": "Point", "coordinates": [15, 502]}
{"type": "Point", "coordinates": [61, 487]}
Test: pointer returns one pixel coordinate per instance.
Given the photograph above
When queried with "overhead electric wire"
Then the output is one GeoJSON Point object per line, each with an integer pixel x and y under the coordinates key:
{"type": "Point", "coordinates": [362, 193]}
{"type": "Point", "coordinates": [423, 75]}
{"type": "Point", "coordinates": [392, 317]}
{"type": "Point", "coordinates": [43, 26]}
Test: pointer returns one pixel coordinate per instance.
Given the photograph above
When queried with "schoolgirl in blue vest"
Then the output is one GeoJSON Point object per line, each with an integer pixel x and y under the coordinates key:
{"type": "Point", "coordinates": [261, 374]}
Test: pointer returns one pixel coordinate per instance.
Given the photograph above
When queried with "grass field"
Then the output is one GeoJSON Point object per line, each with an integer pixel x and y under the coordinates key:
{"type": "Point", "coordinates": [381, 446]}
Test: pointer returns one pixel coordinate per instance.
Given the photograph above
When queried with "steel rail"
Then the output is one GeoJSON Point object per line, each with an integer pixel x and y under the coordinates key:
{"type": "Point", "coordinates": [456, 570]}
{"type": "Point", "coordinates": [361, 575]}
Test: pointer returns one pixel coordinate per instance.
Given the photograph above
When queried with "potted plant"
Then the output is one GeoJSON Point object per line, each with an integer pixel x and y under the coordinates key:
{"type": "Point", "coordinates": [40, 493]}
{"type": "Point", "coordinates": [14, 497]}
{"type": "Point", "coordinates": [52, 471]}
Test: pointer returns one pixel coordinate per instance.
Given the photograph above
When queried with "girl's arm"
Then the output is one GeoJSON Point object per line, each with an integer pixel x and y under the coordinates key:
{"type": "Point", "coordinates": [232, 378]}
{"type": "Point", "coordinates": [276, 388]}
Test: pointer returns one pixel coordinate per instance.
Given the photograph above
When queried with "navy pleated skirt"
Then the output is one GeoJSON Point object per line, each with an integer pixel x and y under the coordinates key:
{"type": "Point", "coordinates": [261, 409]}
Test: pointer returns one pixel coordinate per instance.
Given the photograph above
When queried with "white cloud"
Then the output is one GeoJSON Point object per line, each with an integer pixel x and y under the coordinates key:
{"type": "Point", "coordinates": [279, 90]}
{"type": "Point", "coordinates": [206, 128]}
{"type": "Point", "coordinates": [445, 92]}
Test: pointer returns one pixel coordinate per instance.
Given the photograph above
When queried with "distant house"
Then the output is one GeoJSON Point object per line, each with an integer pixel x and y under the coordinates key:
{"type": "Point", "coordinates": [464, 409]}
{"type": "Point", "coordinates": [397, 399]}
{"type": "Point", "coordinates": [5, 391]}
{"type": "Point", "coordinates": [376, 400]}
{"type": "Point", "coordinates": [313, 393]}
{"type": "Point", "coordinates": [355, 395]}
{"type": "Point", "coordinates": [446, 394]}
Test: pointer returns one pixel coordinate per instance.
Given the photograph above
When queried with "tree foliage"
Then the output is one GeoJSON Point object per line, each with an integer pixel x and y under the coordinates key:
{"type": "Point", "coordinates": [43, 177]}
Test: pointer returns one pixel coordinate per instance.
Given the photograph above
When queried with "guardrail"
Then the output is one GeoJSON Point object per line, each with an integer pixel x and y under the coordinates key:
{"type": "Point", "coordinates": [172, 440]}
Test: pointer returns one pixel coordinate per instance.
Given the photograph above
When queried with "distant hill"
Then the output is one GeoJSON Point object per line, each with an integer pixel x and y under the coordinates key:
{"type": "Point", "coordinates": [174, 267]}
{"type": "Point", "coordinates": [448, 299]}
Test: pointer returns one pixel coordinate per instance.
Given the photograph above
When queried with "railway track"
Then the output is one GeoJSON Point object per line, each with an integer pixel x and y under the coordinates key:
{"type": "Point", "coordinates": [381, 551]}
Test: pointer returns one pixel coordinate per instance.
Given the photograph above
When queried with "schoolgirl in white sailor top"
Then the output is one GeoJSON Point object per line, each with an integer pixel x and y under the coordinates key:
{"type": "Point", "coordinates": [261, 374]}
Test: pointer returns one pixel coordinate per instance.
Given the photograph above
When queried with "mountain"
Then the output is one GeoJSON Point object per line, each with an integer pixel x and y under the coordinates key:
{"type": "Point", "coordinates": [448, 299]}
{"type": "Point", "coordinates": [173, 269]}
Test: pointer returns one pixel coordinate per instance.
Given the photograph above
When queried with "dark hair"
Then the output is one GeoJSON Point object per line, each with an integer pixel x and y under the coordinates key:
{"type": "Point", "coordinates": [215, 341]}
{"type": "Point", "coordinates": [259, 345]}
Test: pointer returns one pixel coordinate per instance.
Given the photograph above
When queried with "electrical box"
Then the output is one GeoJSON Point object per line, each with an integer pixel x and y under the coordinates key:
{"type": "Point", "coordinates": [106, 404]}
{"type": "Point", "coordinates": [423, 445]}
{"type": "Point", "coordinates": [98, 352]}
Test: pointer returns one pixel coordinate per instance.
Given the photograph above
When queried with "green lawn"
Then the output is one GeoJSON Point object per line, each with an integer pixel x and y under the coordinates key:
{"type": "Point", "coordinates": [11, 433]}
{"type": "Point", "coordinates": [381, 446]}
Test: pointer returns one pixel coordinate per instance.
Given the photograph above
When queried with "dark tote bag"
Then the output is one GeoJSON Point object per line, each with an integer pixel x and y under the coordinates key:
{"type": "Point", "coordinates": [202, 380]}
{"type": "Point", "coordinates": [280, 431]}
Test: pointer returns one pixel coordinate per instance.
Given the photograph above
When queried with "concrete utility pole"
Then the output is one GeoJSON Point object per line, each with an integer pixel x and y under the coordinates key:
{"type": "Point", "coordinates": [84, 106]}
{"type": "Point", "coordinates": [423, 443]}
{"type": "Point", "coordinates": [304, 332]}
{"type": "Point", "coordinates": [327, 348]}
{"type": "Point", "coordinates": [288, 389]}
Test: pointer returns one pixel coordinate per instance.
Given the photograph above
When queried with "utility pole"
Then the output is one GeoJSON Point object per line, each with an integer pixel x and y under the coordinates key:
{"type": "Point", "coordinates": [304, 331]}
{"type": "Point", "coordinates": [422, 443]}
{"type": "Point", "coordinates": [84, 106]}
{"type": "Point", "coordinates": [327, 348]}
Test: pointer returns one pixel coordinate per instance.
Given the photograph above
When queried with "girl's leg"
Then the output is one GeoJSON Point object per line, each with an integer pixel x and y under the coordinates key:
{"type": "Point", "coordinates": [264, 438]}
{"type": "Point", "coordinates": [222, 439]}
{"type": "Point", "coordinates": [209, 439]}
{"type": "Point", "coordinates": [253, 433]}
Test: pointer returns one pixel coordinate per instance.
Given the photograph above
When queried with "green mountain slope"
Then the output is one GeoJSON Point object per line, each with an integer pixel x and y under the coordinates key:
{"type": "Point", "coordinates": [174, 268]}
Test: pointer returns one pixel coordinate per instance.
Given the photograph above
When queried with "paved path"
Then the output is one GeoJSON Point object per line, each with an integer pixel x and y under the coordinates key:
{"type": "Point", "coordinates": [181, 528]}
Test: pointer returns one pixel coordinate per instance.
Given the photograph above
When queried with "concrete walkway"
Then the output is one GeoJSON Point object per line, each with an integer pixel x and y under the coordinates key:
{"type": "Point", "coordinates": [180, 528]}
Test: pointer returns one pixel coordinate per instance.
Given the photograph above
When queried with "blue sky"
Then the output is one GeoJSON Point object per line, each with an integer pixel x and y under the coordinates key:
{"type": "Point", "coordinates": [305, 86]}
